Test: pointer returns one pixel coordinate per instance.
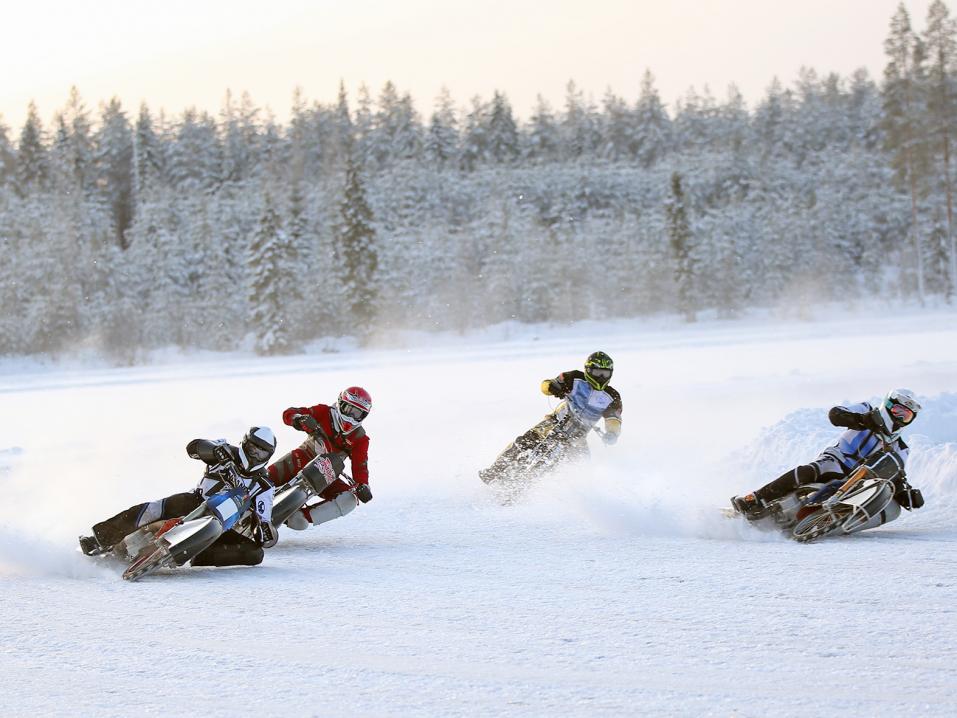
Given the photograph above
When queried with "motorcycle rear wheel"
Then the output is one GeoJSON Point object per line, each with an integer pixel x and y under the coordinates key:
{"type": "Point", "coordinates": [147, 563]}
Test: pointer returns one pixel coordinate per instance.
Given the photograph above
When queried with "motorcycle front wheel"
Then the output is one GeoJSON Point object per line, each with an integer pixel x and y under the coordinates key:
{"type": "Point", "coordinates": [818, 524]}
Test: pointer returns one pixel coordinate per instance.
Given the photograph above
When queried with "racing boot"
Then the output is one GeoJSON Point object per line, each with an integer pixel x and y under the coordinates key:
{"type": "Point", "coordinates": [750, 506]}
{"type": "Point", "coordinates": [91, 547]}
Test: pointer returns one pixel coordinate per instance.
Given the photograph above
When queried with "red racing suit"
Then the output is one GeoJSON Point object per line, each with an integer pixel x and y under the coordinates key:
{"type": "Point", "coordinates": [354, 445]}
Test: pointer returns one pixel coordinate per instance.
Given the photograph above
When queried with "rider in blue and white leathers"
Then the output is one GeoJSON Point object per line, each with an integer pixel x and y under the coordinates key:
{"type": "Point", "coordinates": [869, 428]}
{"type": "Point", "coordinates": [586, 397]}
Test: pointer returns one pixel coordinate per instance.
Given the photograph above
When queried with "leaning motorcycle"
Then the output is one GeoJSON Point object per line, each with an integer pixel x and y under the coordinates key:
{"type": "Point", "coordinates": [864, 500]}
{"type": "Point", "coordinates": [553, 443]}
{"type": "Point", "coordinates": [174, 542]}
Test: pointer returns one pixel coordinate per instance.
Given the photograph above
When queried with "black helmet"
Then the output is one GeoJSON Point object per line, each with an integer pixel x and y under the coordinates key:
{"type": "Point", "coordinates": [598, 369]}
{"type": "Point", "coordinates": [257, 447]}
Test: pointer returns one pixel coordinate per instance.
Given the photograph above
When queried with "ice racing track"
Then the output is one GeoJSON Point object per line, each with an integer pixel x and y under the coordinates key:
{"type": "Point", "coordinates": [614, 589]}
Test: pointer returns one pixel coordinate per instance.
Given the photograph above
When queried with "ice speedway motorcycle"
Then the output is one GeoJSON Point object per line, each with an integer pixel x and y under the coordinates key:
{"type": "Point", "coordinates": [560, 438]}
{"type": "Point", "coordinates": [173, 542]}
{"type": "Point", "coordinates": [864, 500]}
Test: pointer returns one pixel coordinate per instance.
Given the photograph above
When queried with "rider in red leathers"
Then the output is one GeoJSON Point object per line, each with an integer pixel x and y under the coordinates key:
{"type": "Point", "coordinates": [339, 426]}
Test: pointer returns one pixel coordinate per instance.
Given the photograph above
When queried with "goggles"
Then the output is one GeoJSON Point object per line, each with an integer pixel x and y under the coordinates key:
{"type": "Point", "coordinates": [903, 414]}
{"type": "Point", "coordinates": [256, 453]}
{"type": "Point", "coordinates": [350, 411]}
{"type": "Point", "coordinates": [599, 373]}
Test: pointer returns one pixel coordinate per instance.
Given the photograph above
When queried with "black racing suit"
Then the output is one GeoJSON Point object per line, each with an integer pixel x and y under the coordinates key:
{"type": "Point", "coordinates": [223, 466]}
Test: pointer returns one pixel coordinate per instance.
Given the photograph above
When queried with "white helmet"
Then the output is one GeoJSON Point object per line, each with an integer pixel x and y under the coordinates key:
{"type": "Point", "coordinates": [898, 409]}
{"type": "Point", "coordinates": [257, 448]}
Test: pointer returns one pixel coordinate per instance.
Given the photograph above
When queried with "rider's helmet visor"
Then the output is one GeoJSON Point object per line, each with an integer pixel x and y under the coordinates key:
{"type": "Point", "coordinates": [601, 375]}
{"type": "Point", "coordinates": [902, 414]}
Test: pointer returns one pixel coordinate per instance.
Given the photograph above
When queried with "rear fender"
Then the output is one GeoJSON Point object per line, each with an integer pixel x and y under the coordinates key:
{"type": "Point", "coordinates": [872, 504]}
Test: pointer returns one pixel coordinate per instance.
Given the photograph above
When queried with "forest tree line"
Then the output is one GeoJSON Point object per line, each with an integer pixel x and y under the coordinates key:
{"type": "Point", "coordinates": [129, 231]}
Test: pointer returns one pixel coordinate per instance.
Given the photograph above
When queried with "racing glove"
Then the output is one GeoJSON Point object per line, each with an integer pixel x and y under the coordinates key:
{"type": "Point", "coordinates": [364, 493]}
{"type": "Point", "coordinates": [909, 497]}
{"type": "Point", "coordinates": [304, 422]}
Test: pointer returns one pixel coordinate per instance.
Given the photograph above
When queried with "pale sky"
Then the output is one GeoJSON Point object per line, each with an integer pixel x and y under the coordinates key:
{"type": "Point", "coordinates": [179, 53]}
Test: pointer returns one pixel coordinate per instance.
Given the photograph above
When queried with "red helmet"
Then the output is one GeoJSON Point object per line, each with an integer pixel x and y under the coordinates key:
{"type": "Point", "coordinates": [353, 406]}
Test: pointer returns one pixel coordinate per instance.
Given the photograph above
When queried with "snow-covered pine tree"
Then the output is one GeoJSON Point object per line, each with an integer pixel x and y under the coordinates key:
{"type": "Point", "coordinates": [343, 131]}
{"type": "Point", "coordinates": [270, 265]}
{"type": "Point", "coordinates": [580, 134]}
{"type": "Point", "coordinates": [905, 134]}
{"type": "Point", "coordinates": [475, 136]}
{"type": "Point", "coordinates": [442, 140]}
{"type": "Point", "coordinates": [147, 155]}
{"type": "Point", "coordinates": [502, 131]}
{"type": "Point", "coordinates": [359, 258]}
{"type": "Point", "coordinates": [679, 235]}
{"type": "Point", "coordinates": [542, 138]}
{"type": "Point", "coordinates": [113, 166]}
{"type": "Point", "coordinates": [195, 156]}
{"type": "Point", "coordinates": [652, 124]}
{"type": "Point", "coordinates": [364, 129]}
{"type": "Point", "coordinates": [940, 38]}
{"type": "Point", "coordinates": [32, 162]}
{"type": "Point", "coordinates": [78, 148]}
{"type": "Point", "coordinates": [8, 157]}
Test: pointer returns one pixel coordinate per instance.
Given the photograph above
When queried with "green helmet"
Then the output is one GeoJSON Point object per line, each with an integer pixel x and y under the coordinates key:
{"type": "Point", "coordinates": [598, 369]}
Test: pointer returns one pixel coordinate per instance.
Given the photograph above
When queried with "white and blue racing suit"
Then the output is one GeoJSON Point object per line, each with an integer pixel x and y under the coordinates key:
{"type": "Point", "coordinates": [836, 462]}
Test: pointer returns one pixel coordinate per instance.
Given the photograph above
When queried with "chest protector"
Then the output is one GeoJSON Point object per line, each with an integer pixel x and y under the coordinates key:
{"type": "Point", "coordinates": [584, 404]}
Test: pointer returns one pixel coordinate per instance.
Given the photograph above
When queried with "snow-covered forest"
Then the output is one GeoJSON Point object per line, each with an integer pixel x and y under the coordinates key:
{"type": "Point", "coordinates": [126, 230]}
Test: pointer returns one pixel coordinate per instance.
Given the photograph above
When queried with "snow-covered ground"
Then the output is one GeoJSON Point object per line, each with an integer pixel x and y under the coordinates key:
{"type": "Point", "coordinates": [614, 589]}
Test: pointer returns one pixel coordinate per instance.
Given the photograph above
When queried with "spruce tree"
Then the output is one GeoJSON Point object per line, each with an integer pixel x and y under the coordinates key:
{"type": "Point", "coordinates": [271, 269]}
{"type": "Point", "coordinates": [679, 236]}
{"type": "Point", "coordinates": [32, 161]}
{"type": "Point", "coordinates": [502, 131]}
{"type": "Point", "coordinates": [147, 154]}
{"type": "Point", "coordinates": [113, 157]}
{"type": "Point", "coordinates": [905, 137]}
{"type": "Point", "coordinates": [941, 41]}
{"type": "Point", "coordinates": [543, 141]}
{"type": "Point", "coordinates": [475, 136]}
{"type": "Point", "coordinates": [8, 157]}
{"type": "Point", "coordinates": [441, 143]}
{"type": "Point", "coordinates": [355, 241]}
{"type": "Point", "coordinates": [652, 124]}
{"type": "Point", "coordinates": [343, 130]}
{"type": "Point", "coordinates": [80, 142]}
